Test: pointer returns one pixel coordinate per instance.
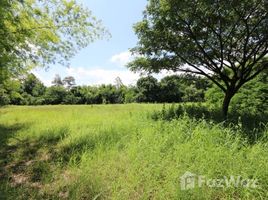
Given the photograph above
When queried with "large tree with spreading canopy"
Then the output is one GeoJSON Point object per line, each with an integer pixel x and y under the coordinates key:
{"type": "Point", "coordinates": [223, 40]}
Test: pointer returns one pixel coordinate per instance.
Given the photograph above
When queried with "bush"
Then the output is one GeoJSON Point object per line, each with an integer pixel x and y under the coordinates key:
{"type": "Point", "coordinates": [55, 95]}
{"type": "Point", "coordinates": [4, 98]}
{"type": "Point", "coordinates": [250, 123]}
{"type": "Point", "coordinates": [197, 111]}
{"type": "Point", "coordinates": [71, 99]}
{"type": "Point", "coordinates": [252, 97]}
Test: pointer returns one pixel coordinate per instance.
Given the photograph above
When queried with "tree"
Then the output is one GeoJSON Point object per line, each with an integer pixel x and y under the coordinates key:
{"type": "Point", "coordinates": [57, 81]}
{"type": "Point", "coordinates": [183, 87]}
{"type": "Point", "coordinates": [193, 87]}
{"type": "Point", "coordinates": [118, 83]}
{"type": "Point", "coordinates": [130, 94]}
{"type": "Point", "coordinates": [43, 32]}
{"type": "Point", "coordinates": [171, 89]}
{"type": "Point", "coordinates": [4, 97]}
{"type": "Point", "coordinates": [88, 94]}
{"type": "Point", "coordinates": [13, 89]}
{"type": "Point", "coordinates": [33, 86]}
{"type": "Point", "coordinates": [256, 89]}
{"type": "Point", "coordinates": [71, 99]}
{"type": "Point", "coordinates": [192, 94]}
{"type": "Point", "coordinates": [55, 95]}
{"type": "Point", "coordinates": [225, 41]}
{"type": "Point", "coordinates": [110, 94]}
{"type": "Point", "coordinates": [69, 81]}
{"type": "Point", "coordinates": [148, 89]}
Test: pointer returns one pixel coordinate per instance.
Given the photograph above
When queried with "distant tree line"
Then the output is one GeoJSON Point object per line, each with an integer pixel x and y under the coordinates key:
{"type": "Point", "coordinates": [29, 90]}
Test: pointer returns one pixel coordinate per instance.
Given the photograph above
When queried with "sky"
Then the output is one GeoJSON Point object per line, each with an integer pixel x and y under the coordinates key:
{"type": "Point", "coordinates": [104, 60]}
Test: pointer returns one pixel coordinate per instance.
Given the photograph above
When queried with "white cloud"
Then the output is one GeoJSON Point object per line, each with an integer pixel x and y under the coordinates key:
{"type": "Point", "coordinates": [101, 76]}
{"type": "Point", "coordinates": [122, 58]}
{"type": "Point", "coordinates": [93, 76]}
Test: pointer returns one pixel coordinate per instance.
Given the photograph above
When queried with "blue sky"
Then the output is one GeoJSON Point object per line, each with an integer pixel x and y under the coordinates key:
{"type": "Point", "coordinates": [102, 61]}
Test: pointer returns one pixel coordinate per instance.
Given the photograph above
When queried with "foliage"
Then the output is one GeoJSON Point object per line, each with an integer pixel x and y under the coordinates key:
{"type": "Point", "coordinates": [89, 95]}
{"type": "Point", "coordinates": [252, 98]}
{"type": "Point", "coordinates": [33, 86]}
{"type": "Point", "coordinates": [69, 81]}
{"type": "Point", "coordinates": [12, 88]}
{"type": "Point", "coordinates": [71, 99]}
{"type": "Point", "coordinates": [4, 97]}
{"type": "Point", "coordinates": [148, 89]}
{"type": "Point", "coordinates": [183, 88]}
{"type": "Point", "coordinates": [171, 88]}
{"type": "Point", "coordinates": [225, 41]}
{"type": "Point", "coordinates": [45, 32]}
{"type": "Point", "coordinates": [110, 94]}
{"type": "Point", "coordinates": [55, 95]}
{"type": "Point", "coordinates": [57, 80]}
{"type": "Point", "coordinates": [250, 122]}
{"type": "Point", "coordinates": [29, 90]}
{"type": "Point", "coordinates": [130, 94]}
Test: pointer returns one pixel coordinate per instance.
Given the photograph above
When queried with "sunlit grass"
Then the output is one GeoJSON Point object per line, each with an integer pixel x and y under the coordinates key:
{"type": "Point", "coordinates": [119, 152]}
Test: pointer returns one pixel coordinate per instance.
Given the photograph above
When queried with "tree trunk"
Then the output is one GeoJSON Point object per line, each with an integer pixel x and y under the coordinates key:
{"type": "Point", "coordinates": [226, 102]}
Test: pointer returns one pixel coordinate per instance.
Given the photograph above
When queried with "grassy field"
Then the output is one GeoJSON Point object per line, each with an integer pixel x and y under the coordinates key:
{"type": "Point", "coordinates": [119, 152]}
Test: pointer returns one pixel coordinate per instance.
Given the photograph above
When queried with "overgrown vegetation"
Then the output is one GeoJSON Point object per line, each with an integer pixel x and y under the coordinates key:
{"type": "Point", "coordinates": [224, 41]}
{"type": "Point", "coordinates": [251, 123]}
{"type": "Point", "coordinates": [29, 90]}
{"type": "Point", "coordinates": [117, 152]}
{"type": "Point", "coordinates": [136, 151]}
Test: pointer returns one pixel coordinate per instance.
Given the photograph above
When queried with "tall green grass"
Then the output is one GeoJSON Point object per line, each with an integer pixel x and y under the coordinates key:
{"type": "Point", "coordinates": [119, 152]}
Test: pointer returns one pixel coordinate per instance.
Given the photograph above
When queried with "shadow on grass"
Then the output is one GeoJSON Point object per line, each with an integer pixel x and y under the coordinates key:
{"type": "Point", "coordinates": [252, 125]}
{"type": "Point", "coordinates": [104, 139]}
{"type": "Point", "coordinates": [26, 165]}
{"type": "Point", "coordinates": [6, 133]}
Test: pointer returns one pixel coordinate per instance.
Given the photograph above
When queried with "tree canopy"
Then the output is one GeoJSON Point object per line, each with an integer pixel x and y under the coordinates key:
{"type": "Point", "coordinates": [43, 32]}
{"type": "Point", "coordinates": [225, 41]}
{"type": "Point", "coordinates": [29, 90]}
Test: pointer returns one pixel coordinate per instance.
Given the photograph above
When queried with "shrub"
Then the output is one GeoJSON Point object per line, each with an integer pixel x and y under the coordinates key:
{"type": "Point", "coordinates": [252, 97]}
{"type": "Point", "coordinates": [4, 98]}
